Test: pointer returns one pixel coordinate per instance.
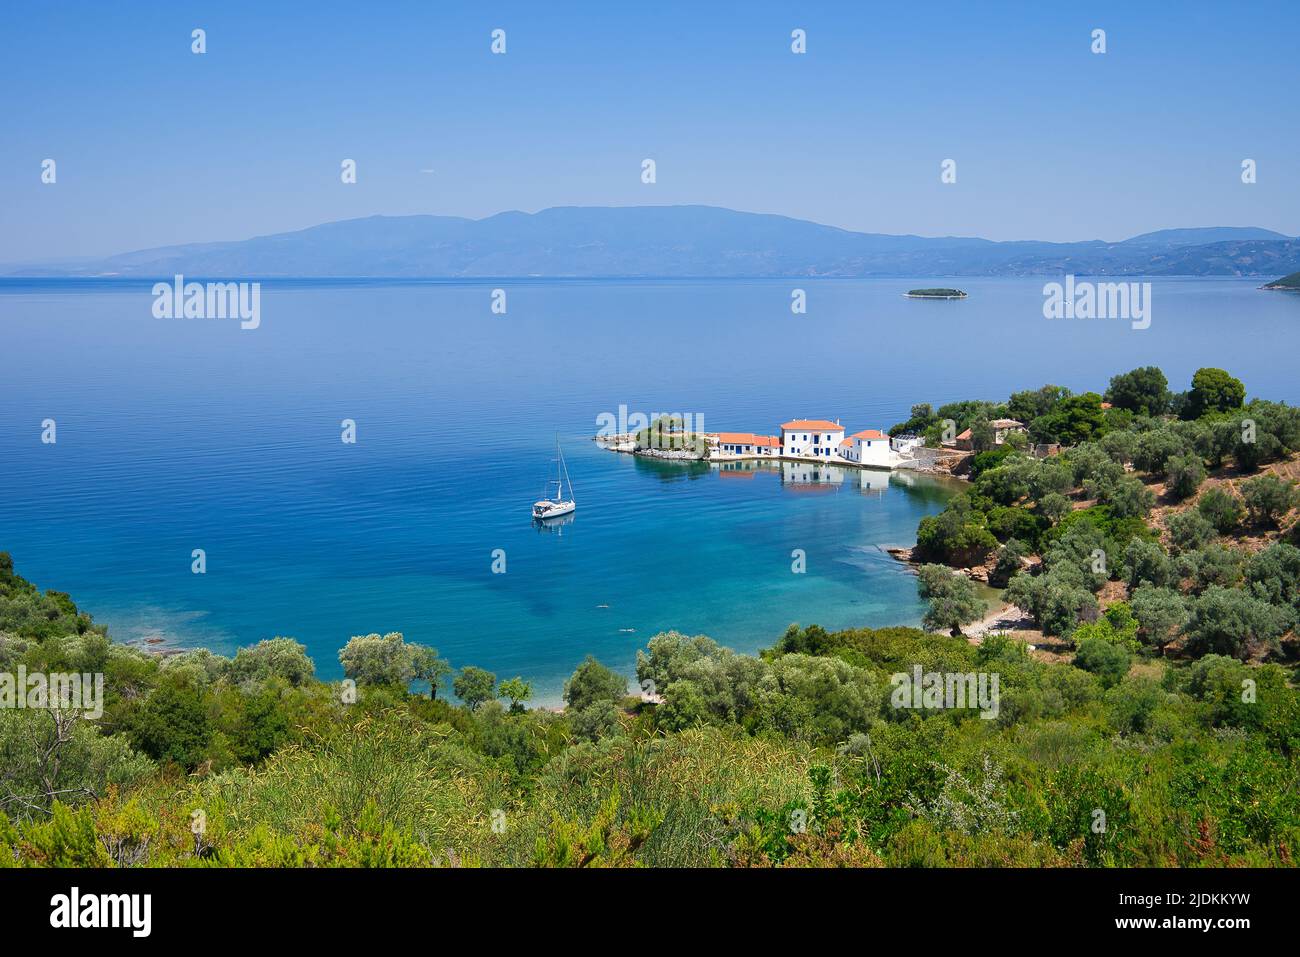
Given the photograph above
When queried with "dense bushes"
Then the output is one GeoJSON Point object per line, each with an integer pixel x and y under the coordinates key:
{"type": "Point", "coordinates": [713, 773]}
{"type": "Point", "coordinates": [1087, 514]}
{"type": "Point", "coordinates": [958, 535]}
{"type": "Point", "coordinates": [1229, 621]}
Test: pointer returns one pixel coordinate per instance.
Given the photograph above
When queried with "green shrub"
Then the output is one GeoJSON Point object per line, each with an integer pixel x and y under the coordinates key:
{"type": "Point", "coordinates": [1109, 661]}
{"type": "Point", "coordinates": [1221, 509]}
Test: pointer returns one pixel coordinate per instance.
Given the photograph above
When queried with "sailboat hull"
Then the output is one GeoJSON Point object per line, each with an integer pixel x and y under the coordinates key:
{"type": "Point", "coordinates": [544, 510]}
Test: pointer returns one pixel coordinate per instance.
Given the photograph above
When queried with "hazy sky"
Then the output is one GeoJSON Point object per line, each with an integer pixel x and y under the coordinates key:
{"type": "Point", "coordinates": [156, 145]}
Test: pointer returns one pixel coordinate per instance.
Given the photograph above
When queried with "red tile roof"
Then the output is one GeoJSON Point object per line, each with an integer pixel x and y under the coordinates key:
{"type": "Point", "coordinates": [748, 438]}
{"type": "Point", "coordinates": [869, 434]}
{"type": "Point", "coordinates": [811, 425]}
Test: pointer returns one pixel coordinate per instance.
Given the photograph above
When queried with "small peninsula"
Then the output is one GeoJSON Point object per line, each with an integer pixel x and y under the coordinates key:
{"type": "Point", "coordinates": [1289, 283]}
{"type": "Point", "coordinates": [935, 294]}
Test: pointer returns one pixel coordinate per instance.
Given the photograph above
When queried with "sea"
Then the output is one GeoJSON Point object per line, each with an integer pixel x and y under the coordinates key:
{"type": "Point", "coordinates": [173, 437]}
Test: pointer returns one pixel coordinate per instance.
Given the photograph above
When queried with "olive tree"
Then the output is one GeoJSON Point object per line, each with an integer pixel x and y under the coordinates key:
{"type": "Point", "coordinates": [952, 598]}
{"type": "Point", "coordinates": [1221, 509]}
{"type": "Point", "coordinates": [1184, 475]}
{"type": "Point", "coordinates": [1268, 498]}
{"type": "Point", "coordinates": [274, 657]}
{"type": "Point", "coordinates": [1161, 614]}
{"type": "Point", "coordinates": [1228, 621]}
{"type": "Point", "coordinates": [474, 686]}
{"type": "Point", "coordinates": [591, 683]}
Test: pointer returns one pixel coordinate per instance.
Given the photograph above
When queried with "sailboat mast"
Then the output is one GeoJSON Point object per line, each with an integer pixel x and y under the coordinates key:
{"type": "Point", "coordinates": [564, 468]}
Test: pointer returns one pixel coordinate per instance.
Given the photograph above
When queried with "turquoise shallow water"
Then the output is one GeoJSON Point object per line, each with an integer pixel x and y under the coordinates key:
{"type": "Point", "coordinates": [177, 435]}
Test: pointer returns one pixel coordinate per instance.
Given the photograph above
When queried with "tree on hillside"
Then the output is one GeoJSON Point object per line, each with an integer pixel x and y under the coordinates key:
{"type": "Point", "coordinates": [1054, 506]}
{"type": "Point", "coordinates": [1156, 447]}
{"type": "Point", "coordinates": [921, 419]}
{"type": "Point", "coordinates": [1250, 455]}
{"type": "Point", "coordinates": [1117, 625]}
{"type": "Point", "coordinates": [1144, 391]}
{"type": "Point", "coordinates": [1057, 601]}
{"type": "Point", "coordinates": [1109, 662]}
{"type": "Point", "coordinates": [1261, 432]}
{"type": "Point", "coordinates": [963, 413]}
{"type": "Point", "coordinates": [1228, 621]}
{"type": "Point", "coordinates": [1184, 475]}
{"type": "Point", "coordinates": [1213, 390]}
{"type": "Point", "coordinates": [1091, 461]}
{"type": "Point", "coordinates": [1215, 564]}
{"type": "Point", "coordinates": [1161, 614]}
{"type": "Point", "coordinates": [1145, 562]}
{"type": "Point", "coordinates": [1189, 530]}
{"type": "Point", "coordinates": [1274, 574]}
{"type": "Point", "coordinates": [474, 686]}
{"type": "Point", "coordinates": [1217, 440]}
{"type": "Point", "coordinates": [172, 724]}
{"type": "Point", "coordinates": [1126, 497]}
{"type": "Point", "coordinates": [1268, 498]}
{"type": "Point", "coordinates": [1032, 403]}
{"type": "Point", "coordinates": [1121, 446]}
{"type": "Point", "coordinates": [377, 659]}
{"type": "Point", "coordinates": [517, 690]}
{"type": "Point", "coordinates": [1009, 558]}
{"type": "Point", "coordinates": [390, 660]}
{"type": "Point", "coordinates": [953, 599]}
{"type": "Point", "coordinates": [957, 535]}
{"type": "Point", "coordinates": [427, 665]}
{"type": "Point", "coordinates": [1221, 509]}
{"type": "Point", "coordinates": [592, 683]}
{"type": "Point", "coordinates": [1073, 420]}
{"type": "Point", "coordinates": [981, 433]}
{"type": "Point", "coordinates": [274, 657]}
{"type": "Point", "coordinates": [54, 755]}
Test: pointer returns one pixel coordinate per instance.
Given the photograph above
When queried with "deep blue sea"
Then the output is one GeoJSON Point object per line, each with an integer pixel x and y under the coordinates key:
{"type": "Point", "coordinates": [182, 434]}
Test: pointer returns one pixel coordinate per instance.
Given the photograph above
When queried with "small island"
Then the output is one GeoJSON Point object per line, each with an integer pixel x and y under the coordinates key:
{"type": "Point", "coordinates": [935, 294]}
{"type": "Point", "coordinates": [1289, 283]}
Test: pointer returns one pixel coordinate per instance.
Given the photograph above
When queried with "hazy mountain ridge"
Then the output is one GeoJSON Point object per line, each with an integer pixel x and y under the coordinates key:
{"type": "Point", "coordinates": [669, 241]}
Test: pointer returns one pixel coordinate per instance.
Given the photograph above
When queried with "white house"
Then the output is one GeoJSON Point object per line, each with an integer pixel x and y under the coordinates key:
{"type": "Point", "coordinates": [811, 438]}
{"type": "Point", "coordinates": [905, 443]}
{"type": "Point", "coordinates": [868, 447]}
{"type": "Point", "coordinates": [747, 445]}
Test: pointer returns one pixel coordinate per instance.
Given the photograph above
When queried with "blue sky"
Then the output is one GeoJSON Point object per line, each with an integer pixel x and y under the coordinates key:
{"type": "Point", "coordinates": [156, 145]}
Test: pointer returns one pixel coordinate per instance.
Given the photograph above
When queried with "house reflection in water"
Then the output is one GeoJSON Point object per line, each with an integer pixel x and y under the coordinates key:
{"type": "Point", "coordinates": [873, 481]}
{"type": "Point", "coordinates": [811, 477]}
{"type": "Point", "coordinates": [741, 468]}
{"type": "Point", "coordinates": [797, 476]}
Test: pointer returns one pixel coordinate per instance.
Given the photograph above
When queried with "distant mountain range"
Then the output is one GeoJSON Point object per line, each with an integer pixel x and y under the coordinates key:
{"type": "Point", "coordinates": [678, 241]}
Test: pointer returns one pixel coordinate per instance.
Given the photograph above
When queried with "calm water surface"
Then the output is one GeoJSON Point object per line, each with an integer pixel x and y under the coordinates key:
{"type": "Point", "coordinates": [176, 435]}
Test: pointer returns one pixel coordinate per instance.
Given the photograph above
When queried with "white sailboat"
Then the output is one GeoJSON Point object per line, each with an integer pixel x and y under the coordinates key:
{"type": "Point", "coordinates": [560, 505]}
